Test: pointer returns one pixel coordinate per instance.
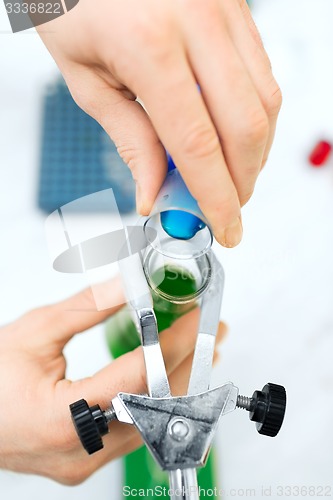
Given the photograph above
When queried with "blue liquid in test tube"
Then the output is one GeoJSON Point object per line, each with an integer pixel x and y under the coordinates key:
{"type": "Point", "coordinates": [177, 223]}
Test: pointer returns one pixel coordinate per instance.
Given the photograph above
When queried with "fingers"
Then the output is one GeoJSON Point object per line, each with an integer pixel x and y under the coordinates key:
{"type": "Point", "coordinates": [128, 373]}
{"type": "Point", "coordinates": [137, 142]}
{"type": "Point", "coordinates": [182, 121]}
{"type": "Point", "coordinates": [250, 22]}
{"type": "Point", "coordinates": [230, 95]}
{"type": "Point", "coordinates": [58, 323]}
{"type": "Point", "coordinates": [129, 126]}
{"type": "Point", "coordinates": [247, 41]}
{"type": "Point", "coordinates": [218, 139]}
{"type": "Point", "coordinates": [179, 381]}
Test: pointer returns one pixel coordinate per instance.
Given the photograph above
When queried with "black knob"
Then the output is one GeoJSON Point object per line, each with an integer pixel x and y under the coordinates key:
{"type": "Point", "coordinates": [268, 408]}
{"type": "Point", "coordinates": [90, 424]}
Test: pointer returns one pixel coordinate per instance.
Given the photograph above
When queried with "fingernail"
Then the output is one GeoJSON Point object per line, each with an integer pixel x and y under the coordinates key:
{"type": "Point", "coordinates": [232, 234]}
{"type": "Point", "coordinates": [139, 201]}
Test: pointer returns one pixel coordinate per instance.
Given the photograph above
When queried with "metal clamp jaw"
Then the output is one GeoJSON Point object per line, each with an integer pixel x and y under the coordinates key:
{"type": "Point", "coordinates": [178, 430]}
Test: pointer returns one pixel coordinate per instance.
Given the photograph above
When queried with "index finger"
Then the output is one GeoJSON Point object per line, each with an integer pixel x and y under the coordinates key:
{"type": "Point", "coordinates": [57, 323]}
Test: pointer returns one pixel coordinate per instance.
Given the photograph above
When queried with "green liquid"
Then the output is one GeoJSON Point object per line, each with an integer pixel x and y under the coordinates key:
{"type": "Point", "coordinates": [140, 469]}
{"type": "Point", "coordinates": [122, 335]}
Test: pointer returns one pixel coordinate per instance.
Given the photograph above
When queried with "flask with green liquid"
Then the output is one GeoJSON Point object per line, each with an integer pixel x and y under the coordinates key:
{"type": "Point", "coordinates": [175, 288]}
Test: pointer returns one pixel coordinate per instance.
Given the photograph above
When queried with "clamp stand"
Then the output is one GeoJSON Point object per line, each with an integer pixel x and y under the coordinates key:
{"type": "Point", "coordinates": [178, 430]}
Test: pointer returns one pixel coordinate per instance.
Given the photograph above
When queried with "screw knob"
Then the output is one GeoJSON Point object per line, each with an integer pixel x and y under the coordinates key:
{"type": "Point", "coordinates": [90, 424]}
{"type": "Point", "coordinates": [268, 408]}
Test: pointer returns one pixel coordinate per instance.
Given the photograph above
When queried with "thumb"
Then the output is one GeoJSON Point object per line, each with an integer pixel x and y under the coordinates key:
{"type": "Point", "coordinates": [128, 125]}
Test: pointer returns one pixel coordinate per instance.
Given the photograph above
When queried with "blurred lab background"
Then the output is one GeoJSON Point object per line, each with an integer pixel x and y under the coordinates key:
{"type": "Point", "coordinates": [278, 298]}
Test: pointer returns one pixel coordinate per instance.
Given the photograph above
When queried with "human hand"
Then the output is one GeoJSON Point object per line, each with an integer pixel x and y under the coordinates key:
{"type": "Point", "coordinates": [111, 51]}
{"type": "Point", "coordinates": [36, 432]}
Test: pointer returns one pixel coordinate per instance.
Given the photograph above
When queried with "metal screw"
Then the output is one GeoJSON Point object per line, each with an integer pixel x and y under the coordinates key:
{"type": "Point", "coordinates": [110, 415]}
{"type": "Point", "coordinates": [244, 402]}
{"type": "Point", "coordinates": [179, 429]}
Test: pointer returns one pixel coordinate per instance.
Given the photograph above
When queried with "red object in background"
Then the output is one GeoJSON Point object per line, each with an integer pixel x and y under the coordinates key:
{"type": "Point", "coordinates": [320, 154]}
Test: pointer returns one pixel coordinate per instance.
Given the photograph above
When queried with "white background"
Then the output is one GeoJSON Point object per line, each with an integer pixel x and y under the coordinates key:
{"type": "Point", "coordinates": [279, 291]}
